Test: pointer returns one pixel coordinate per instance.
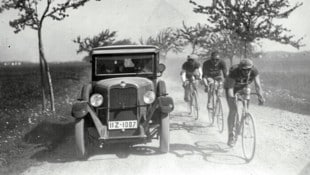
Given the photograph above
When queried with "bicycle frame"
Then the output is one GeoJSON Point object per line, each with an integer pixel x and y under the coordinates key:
{"type": "Point", "coordinates": [192, 85]}
{"type": "Point", "coordinates": [213, 99]}
{"type": "Point", "coordinates": [245, 106]}
{"type": "Point", "coordinates": [245, 100]}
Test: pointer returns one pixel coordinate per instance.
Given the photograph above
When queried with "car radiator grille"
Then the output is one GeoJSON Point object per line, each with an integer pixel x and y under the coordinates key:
{"type": "Point", "coordinates": [121, 98]}
{"type": "Point", "coordinates": [123, 106]}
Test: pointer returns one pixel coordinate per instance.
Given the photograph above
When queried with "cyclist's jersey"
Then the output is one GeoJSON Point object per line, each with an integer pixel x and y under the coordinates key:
{"type": "Point", "coordinates": [209, 69]}
{"type": "Point", "coordinates": [238, 81]}
{"type": "Point", "coordinates": [191, 68]}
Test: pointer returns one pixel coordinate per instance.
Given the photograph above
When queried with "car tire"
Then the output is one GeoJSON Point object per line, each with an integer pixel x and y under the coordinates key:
{"type": "Point", "coordinates": [164, 141]}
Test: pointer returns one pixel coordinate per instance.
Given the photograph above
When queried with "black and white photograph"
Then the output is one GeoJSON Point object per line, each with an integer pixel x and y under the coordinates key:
{"type": "Point", "coordinates": [154, 87]}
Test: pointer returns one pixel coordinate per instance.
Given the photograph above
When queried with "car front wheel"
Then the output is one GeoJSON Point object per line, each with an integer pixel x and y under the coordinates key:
{"type": "Point", "coordinates": [81, 139]}
{"type": "Point", "coordinates": [164, 133]}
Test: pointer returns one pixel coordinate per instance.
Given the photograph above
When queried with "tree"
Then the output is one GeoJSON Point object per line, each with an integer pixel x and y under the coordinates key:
{"type": "Point", "coordinates": [32, 13]}
{"type": "Point", "coordinates": [197, 36]}
{"type": "Point", "coordinates": [104, 38]}
{"type": "Point", "coordinates": [124, 42]}
{"type": "Point", "coordinates": [251, 20]}
{"type": "Point", "coordinates": [226, 42]}
{"type": "Point", "coordinates": [167, 40]}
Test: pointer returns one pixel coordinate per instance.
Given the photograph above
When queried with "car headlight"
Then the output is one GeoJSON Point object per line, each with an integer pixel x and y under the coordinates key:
{"type": "Point", "coordinates": [96, 100]}
{"type": "Point", "coordinates": [149, 97]}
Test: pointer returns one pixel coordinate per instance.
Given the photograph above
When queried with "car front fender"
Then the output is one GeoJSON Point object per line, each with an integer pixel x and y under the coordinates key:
{"type": "Point", "coordinates": [79, 109]}
{"type": "Point", "coordinates": [166, 104]}
{"type": "Point", "coordinates": [86, 91]}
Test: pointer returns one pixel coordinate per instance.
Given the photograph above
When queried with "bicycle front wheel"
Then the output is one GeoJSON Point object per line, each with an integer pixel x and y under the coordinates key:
{"type": "Point", "coordinates": [248, 134]}
{"type": "Point", "coordinates": [219, 115]}
{"type": "Point", "coordinates": [195, 105]}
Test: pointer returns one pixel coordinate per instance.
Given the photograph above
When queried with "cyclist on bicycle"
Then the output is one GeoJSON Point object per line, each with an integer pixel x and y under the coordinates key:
{"type": "Point", "coordinates": [191, 70]}
{"type": "Point", "coordinates": [214, 69]}
{"type": "Point", "coordinates": [239, 78]}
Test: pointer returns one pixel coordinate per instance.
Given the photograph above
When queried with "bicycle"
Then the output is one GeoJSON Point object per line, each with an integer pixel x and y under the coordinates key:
{"type": "Point", "coordinates": [216, 110]}
{"type": "Point", "coordinates": [245, 127]}
{"type": "Point", "coordinates": [193, 99]}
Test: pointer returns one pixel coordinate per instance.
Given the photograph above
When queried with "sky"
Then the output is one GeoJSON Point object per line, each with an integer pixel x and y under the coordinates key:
{"type": "Point", "coordinates": [131, 19]}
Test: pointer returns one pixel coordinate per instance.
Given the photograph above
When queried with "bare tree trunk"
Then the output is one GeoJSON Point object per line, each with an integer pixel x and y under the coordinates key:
{"type": "Point", "coordinates": [42, 85]}
{"type": "Point", "coordinates": [46, 69]}
{"type": "Point", "coordinates": [50, 85]}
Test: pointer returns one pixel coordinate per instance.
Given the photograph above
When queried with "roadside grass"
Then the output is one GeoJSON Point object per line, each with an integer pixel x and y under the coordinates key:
{"type": "Point", "coordinates": [20, 109]}
{"type": "Point", "coordinates": [286, 82]}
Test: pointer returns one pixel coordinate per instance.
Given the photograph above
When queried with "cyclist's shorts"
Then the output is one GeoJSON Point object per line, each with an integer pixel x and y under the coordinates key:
{"type": "Point", "coordinates": [219, 80]}
{"type": "Point", "coordinates": [246, 90]}
{"type": "Point", "coordinates": [192, 75]}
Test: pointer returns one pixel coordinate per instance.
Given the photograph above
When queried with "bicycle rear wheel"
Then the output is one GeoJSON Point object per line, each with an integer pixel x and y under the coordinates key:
{"type": "Point", "coordinates": [195, 106]}
{"type": "Point", "coordinates": [248, 134]}
{"type": "Point", "coordinates": [189, 106]}
{"type": "Point", "coordinates": [219, 115]}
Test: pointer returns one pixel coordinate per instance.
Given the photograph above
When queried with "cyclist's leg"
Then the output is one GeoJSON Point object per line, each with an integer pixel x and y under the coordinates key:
{"type": "Point", "coordinates": [247, 91]}
{"type": "Point", "coordinates": [220, 84]}
{"type": "Point", "coordinates": [186, 92]}
{"type": "Point", "coordinates": [232, 119]}
{"type": "Point", "coordinates": [195, 85]}
{"type": "Point", "coordinates": [210, 83]}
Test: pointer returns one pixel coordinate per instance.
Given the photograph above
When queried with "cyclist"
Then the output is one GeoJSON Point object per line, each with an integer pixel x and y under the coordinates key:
{"type": "Point", "coordinates": [239, 78]}
{"type": "Point", "coordinates": [191, 69]}
{"type": "Point", "coordinates": [213, 69]}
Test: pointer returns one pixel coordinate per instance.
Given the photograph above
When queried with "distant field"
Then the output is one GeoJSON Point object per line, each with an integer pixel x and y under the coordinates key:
{"type": "Point", "coordinates": [286, 78]}
{"type": "Point", "coordinates": [20, 85]}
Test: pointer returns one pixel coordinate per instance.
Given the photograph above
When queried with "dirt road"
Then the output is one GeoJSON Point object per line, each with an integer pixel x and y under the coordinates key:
{"type": "Point", "coordinates": [196, 148]}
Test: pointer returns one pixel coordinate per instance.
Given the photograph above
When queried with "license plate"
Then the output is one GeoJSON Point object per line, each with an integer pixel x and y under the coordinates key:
{"type": "Point", "coordinates": [127, 124]}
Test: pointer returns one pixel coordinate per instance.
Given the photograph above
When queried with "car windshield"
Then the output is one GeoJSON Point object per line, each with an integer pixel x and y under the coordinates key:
{"type": "Point", "coordinates": [124, 64]}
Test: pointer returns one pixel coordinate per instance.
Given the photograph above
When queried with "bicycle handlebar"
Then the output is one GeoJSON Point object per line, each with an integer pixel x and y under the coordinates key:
{"type": "Point", "coordinates": [240, 97]}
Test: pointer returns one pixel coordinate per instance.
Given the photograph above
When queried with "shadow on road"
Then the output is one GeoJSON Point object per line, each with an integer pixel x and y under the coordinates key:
{"type": "Point", "coordinates": [215, 152]}
{"type": "Point", "coordinates": [125, 150]}
{"type": "Point", "coordinates": [57, 145]}
{"type": "Point", "coordinates": [191, 126]}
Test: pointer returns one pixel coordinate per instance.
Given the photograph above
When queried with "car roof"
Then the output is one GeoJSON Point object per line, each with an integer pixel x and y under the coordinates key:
{"type": "Point", "coordinates": [125, 49]}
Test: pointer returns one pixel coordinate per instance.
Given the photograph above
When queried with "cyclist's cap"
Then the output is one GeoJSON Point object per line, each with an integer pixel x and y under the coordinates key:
{"type": "Point", "coordinates": [214, 53]}
{"type": "Point", "coordinates": [192, 56]}
{"type": "Point", "coordinates": [246, 64]}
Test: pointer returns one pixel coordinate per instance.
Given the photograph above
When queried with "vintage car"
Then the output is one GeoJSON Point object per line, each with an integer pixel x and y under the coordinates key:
{"type": "Point", "coordinates": [125, 102]}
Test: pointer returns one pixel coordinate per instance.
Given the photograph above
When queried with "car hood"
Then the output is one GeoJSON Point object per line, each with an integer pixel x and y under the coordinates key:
{"type": "Point", "coordinates": [139, 82]}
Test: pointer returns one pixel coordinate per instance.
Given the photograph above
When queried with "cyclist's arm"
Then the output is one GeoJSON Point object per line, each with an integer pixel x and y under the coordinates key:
{"type": "Point", "coordinates": [205, 81]}
{"type": "Point", "coordinates": [224, 70]}
{"type": "Point", "coordinates": [183, 75]}
{"type": "Point", "coordinates": [204, 76]}
{"type": "Point", "coordinates": [229, 84]}
{"type": "Point", "coordinates": [200, 73]}
{"type": "Point", "coordinates": [258, 87]}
